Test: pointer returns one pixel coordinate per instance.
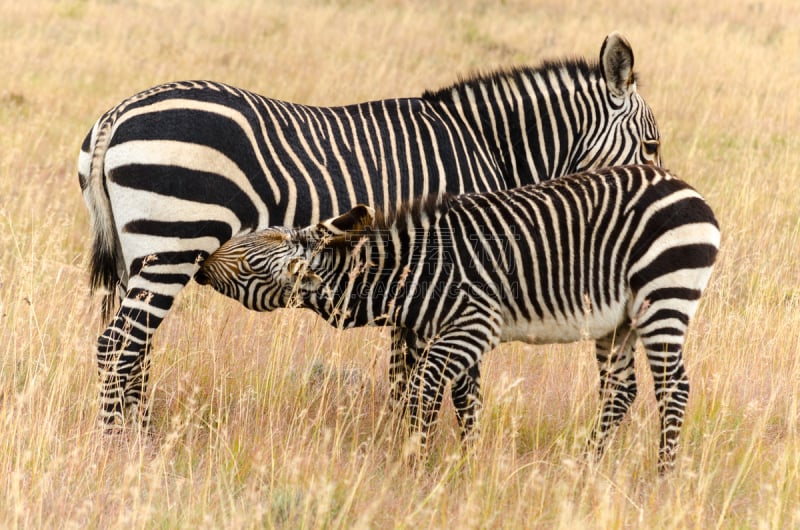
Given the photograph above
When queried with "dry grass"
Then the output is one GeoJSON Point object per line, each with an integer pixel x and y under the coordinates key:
{"type": "Point", "coordinates": [277, 420]}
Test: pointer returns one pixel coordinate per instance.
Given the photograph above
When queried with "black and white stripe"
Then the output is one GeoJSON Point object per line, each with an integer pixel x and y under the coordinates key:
{"type": "Point", "coordinates": [173, 172]}
{"type": "Point", "coordinates": [613, 255]}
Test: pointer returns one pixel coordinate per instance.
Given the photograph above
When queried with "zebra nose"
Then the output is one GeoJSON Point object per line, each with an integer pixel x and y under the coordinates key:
{"type": "Point", "coordinates": [201, 277]}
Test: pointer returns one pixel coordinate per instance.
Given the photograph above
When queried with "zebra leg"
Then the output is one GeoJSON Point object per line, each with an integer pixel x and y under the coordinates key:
{"type": "Point", "coordinates": [468, 402]}
{"type": "Point", "coordinates": [617, 385]}
{"type": "Point", "coordinates": [662, 322]}
{"type": "Point", "coordinates": [135, 392]}
{"type": "Point", "coordinates": [672, 395]}
{"type": "Point", "coordinates": [450, 357]}
{"type": "Point", "coordinates": [401, 364]}
{"type": "Point", "coordinates": [123, 348]}
{"type": "Point", "coordinates": [424, 398]}
{"type": "Point", "coordinates": [122, 357]}
{"type": "Point", "coordinates": [120, 351]}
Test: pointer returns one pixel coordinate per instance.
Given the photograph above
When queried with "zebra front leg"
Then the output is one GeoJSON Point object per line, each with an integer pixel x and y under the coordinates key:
{"type": "Point", "coordinates": [423, 400]}
{"type": "Point", "coordinates": [466, 392]}
{"type": "Point", "coordinates": [454, 356]}
{"type": "Point", "coordinates": [617, 385]}
{"type": "Point", "coordinates": [404, 358]}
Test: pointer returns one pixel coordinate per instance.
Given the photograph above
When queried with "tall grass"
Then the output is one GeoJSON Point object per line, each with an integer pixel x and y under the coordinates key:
{"type": "Point", "coordinates": [278, 420]}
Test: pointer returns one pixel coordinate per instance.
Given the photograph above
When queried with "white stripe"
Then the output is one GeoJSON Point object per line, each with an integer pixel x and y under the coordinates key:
{"type": "Point", "coordinates": [185, 155]}
{"type": "Point", "coordinates": [688, 234]}
{"type": "Point", "coordinates": [222, 110]}
{"type": "Point", "coordinates": [684, 278]}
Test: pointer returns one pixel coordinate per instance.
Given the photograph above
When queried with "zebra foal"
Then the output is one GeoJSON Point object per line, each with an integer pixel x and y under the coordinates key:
{"type": "Point", "coordinates": [606, 254]}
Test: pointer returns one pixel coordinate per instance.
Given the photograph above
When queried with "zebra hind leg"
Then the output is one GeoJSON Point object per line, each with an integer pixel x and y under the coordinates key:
{"type": "Point", "coordinates": [672, 395]}
{"type": "Point", "coordinates": [121, 358]}
{"type": "Point", "coordinates": [662, 327]}
{"type": "Point", "coordinates": [137, 408]}
{"type": "Point", "coordinates": [617, 385]}
{"type": "Point", "coordinates": [123, 348]}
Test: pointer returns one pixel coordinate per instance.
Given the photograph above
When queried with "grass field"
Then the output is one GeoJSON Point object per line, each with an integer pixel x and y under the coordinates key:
{"type": "Point", "coordinates": [277, 420]}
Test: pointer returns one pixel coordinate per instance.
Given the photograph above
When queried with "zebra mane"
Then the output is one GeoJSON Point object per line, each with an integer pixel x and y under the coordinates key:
{"type": "Point", "coordinates": [576, 67]}
{"type": "Point", "coordinates": [407, 215]}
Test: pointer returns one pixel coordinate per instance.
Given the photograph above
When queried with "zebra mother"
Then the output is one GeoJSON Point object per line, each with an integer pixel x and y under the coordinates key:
{"type": "Point", "coordinates": [173, 172]}
{"type": "Point", "coordinates": [613, 255]}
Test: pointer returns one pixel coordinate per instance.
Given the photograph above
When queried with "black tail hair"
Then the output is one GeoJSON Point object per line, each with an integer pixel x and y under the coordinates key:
{"type": "Point", "coordinates": [104, 275]}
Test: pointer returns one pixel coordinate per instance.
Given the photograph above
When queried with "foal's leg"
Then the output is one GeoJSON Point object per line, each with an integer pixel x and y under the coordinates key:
{"type": "Point", "coordinates": [453, 356]}
{"type": "Point", "coordinates": [468, 402]}
{"type": "Point", "coordinates": [404, 357]}
{"type": "Point", "coordinates": [617, 385]}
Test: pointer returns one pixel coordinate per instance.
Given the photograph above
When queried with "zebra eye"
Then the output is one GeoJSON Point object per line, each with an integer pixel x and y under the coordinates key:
{"type": "Point", "coordinates": [651, 147]}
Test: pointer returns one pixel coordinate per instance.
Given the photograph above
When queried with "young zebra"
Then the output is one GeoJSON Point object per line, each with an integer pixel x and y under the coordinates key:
{"type": "Point", "coordinates": [611, 255]}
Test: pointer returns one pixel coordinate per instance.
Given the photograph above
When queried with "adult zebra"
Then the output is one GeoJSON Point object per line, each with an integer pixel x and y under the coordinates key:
{"type": "Point", "coordinates": [610, 255]}
{"type": "Point", "coordinates": [175, 171]}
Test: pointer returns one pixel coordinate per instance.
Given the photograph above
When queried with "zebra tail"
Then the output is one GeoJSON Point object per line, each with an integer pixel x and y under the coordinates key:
{"type": "Point", "coordinates": [106, 255]}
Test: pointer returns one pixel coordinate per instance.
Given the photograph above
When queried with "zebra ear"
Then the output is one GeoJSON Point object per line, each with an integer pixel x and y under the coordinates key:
{"type": "Point", "coordinates": [299, 274]}
{"type": "Point", "coordinates": [616, 64]}
{"type": "Point", "coordinates": [355, 220]}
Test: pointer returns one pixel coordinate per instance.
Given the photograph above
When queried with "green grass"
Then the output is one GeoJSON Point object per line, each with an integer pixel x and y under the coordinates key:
{"type": "Point", "coordinates": [277, 420]}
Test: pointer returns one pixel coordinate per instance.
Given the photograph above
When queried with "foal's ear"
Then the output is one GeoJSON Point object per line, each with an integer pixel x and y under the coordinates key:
{"type": "Point", "coordinates": [299, 274]}
{"type": "Point", "coordinates": [355, 220]}
{"type": "Point", "coordinates": [616, 64]}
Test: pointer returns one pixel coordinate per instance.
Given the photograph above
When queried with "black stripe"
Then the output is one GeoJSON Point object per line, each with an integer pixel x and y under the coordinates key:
{"type": "Point", "coordinates": [566, 261]}
{"type": "Point", "coordinates": [190, 185]}
{"type": "Point", "coordinates": [86, 146]}
{"type": "Point", "coordinates": [663, 331]}
{"type": "Point", "coordinates": [161, 301]}
{"type": "Point", "coordinates": [694, 256]}
{"type": "Point", "coordinates": [539, 158]}
{"type": "Point", "coordinates": [168, 258]}
{"type": "Point", "coordinates": [612, 233]}
{"type": "Point", "coordinates": [180, 229]}
{"type": "Point", "coordinates": [681, 293]}
{"type": "Point", "coordinates": [664, 314]}
{"type": "Point", "coordinates": [663, 347]}
{"type": "Point", "coordinates": [165, 278]}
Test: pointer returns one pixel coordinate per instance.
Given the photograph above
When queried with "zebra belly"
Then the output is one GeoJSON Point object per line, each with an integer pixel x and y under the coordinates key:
{"type": "Point", "coordinates": [559, 328]}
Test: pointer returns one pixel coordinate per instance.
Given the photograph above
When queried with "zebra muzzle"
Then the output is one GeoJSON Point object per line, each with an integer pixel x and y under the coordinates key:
{"type": "Point", "coordinates": [201, 277]}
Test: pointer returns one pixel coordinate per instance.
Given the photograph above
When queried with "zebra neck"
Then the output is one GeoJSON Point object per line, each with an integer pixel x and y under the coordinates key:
{"type": "Point", "coordinates": [529, 122]}
{"type": "Point", "coordinates": [364, 281]}
{"type": "Point", "coordinates": [341, 268]}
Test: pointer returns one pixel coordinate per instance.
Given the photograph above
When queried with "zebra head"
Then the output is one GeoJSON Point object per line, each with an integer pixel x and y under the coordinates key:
{"type": "Point", "coordinates": [630, 136]}
{"type": "Point", "coordinates": [278, 267]}
{"type": "Point", "coordinates": [248, 268]}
